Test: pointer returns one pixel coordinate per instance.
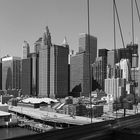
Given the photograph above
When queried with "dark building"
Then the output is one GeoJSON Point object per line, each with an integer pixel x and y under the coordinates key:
{"type": "Point", "coordinates": [59, 71]}
{"type": "Point", "coordinates": [79, 66]}
{"type": "Point", "coordinates": [34, 74]}
{"type": "Point", "coordinates": [26, 77]}
{"type": "Point", "coordinates": [11, 73]}
{"type": "Point", "coordinates": [44, 65]}
{"type": "Point", "coordinates": [98, 73]}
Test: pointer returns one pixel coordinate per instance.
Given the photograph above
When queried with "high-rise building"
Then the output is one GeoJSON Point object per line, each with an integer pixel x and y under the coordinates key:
{"type": "Point", "coordinates": [11, 73]}
{"type": "Point", "coordinates": [100, 69]}
{"type": "Point", "coordinates": [44, 65]}
{"type": "Point", "coordinates": [79, 66]}
{"type": "Point", "coordinates": [26, 82]}
{"type": "Point", "coordinates": [37, 45]}
{"type": "Point", "coordinates": [115, 87]}
{"type": "Point", "coordinates": [98, 73]}
{"type": "Point", "coordinates": [110, 58]}
{"type": "Point", "coordinates": [34, 74]}
{"type": "Point", "coordinates": [59, 71]}
{"type": "Point", "coordinates": [26, 49]}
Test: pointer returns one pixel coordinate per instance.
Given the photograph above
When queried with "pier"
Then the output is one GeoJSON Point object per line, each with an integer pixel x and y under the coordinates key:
{"type": "Point", "coordinates": [52, 118]}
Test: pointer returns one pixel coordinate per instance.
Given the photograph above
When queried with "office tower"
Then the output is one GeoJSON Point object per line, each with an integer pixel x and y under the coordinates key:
{"type": "Point", "coordinates": [124, 66]}
{"type": "Point", "coordinates": [44, 65]}
{"type": "Point", "coordinates": [37, 45]}
{"type": "Point", "coordinates": [134, 54]}
{"type": "Point", "coordinates": [34, 74]}
{"type": "Point", "coordinates": [59, 71]}
{"type": "Point", "coordinates": [79, 66]}
{"type": "Point", "coordinates": [26, 49]}
{"type": "Point", "coordinates": [26, 77]}
{"type": "Point", "coordinates": [100, 69]}
{"type": "Point", "coordinates": [110, 58]}
{"type": "Point", "coordinates": [98, 73]}
{"type": "Point", "coordinates": [115, 87]}
{"type": "Point", "coordinates": [11, 72]}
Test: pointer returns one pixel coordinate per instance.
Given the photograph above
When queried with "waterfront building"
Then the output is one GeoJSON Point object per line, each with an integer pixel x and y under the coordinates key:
{"type": "Point", "coordinates": [59, 70]}
{"type": "Point", "coordinates": [26, 49]}
{"type": "Point", "coordinates": [44, 65]}
{"type": "Point", "coordinates": [11, 73]}
{"type": "Point", "coordinates": [79, 66]}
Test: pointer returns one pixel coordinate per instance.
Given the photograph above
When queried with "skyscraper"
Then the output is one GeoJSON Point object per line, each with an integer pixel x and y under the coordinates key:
{"type": "Point", "coordinates": [26, 81]}
{"type": "Point", "coordinates": [44, 65]}
{"type": "Point", "coordinates": [79, 65]}
{"type": "Point", "coordinates": [11, 73]}
{"type": "Point", "coordinates": [26, 49]}
{"type": "Point", "coordinates": [59, 70]}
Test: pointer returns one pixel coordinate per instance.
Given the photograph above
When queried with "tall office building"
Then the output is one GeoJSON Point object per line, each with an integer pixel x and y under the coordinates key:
{"type": "Point", "coordinates": [37, 45]}
{"type": "Point", "coordinates": [79, 66]}
{"type": "Point", "coordinates": [11, 73]}
{"type": "Point", "coordinates": [59, 71]}
{"type": "Point", "coordinates": [115, 87]}
{"type": "Point", "coordinates": [26, 49]}
{"type": "Point", "coordinates": [26, 81]}
{"type": "Point", "coordinates": [34, 74]}
{"type": "Point", "coordinates": [98, 73]}
{"type": "Point", "coordinates": [44, 65]}
{"type": "Point", "coordinates": [100, 69]}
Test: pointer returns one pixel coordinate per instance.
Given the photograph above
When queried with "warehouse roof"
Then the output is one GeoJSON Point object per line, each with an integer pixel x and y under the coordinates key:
{"type": "Point", "coordinates": [39, 100]}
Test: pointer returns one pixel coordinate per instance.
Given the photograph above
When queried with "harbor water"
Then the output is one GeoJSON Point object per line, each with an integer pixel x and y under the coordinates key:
{"type": "Point", "coordinates": [14, 132]}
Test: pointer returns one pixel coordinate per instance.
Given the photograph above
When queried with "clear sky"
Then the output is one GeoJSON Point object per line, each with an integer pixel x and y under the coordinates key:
{"type": "Point", "coordinates": [26, 20]}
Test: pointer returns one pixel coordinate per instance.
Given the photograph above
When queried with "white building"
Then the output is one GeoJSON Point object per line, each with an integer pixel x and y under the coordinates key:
{"type": "Point", "coordinates": [115, 87]}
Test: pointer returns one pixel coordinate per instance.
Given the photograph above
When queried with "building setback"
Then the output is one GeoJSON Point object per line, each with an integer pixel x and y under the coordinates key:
{"type": "Point", "coordinates": [59, 71]}
{"type": "Point", "coordinates": [79, 68]}
{"type": "Point", "coordinates": [11, 73]}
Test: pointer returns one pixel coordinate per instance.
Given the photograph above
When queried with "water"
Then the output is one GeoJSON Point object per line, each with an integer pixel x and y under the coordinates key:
{"type": "Point", "coordinates": [14, 132]}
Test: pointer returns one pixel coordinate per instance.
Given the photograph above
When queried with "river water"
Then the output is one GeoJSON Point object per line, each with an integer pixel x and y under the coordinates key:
{"type": "Point", "coordinates": [14, 132]}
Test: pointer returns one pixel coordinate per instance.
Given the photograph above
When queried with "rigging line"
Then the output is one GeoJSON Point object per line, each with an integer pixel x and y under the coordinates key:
{"type": "Point", "coordinates": [132, 22]}
{"type": "Point", "coordinates": [115, 55]}
{"type": "Point", "coordinates": [129, 71]}
{"type": "Point", "coordinates": [89, 57]}
{"type": "Point", "coordinates": [119, 23]}
{"type": "Point", "coordinates": [137, 9]}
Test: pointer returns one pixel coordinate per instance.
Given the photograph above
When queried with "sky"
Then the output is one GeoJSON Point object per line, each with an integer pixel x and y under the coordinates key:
{"type": "Point", "coordinates": [26, 20]}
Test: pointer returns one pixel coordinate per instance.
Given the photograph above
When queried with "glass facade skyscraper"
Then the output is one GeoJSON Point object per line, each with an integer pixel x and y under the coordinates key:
{"type": "Point", "coordinates": [79, 69]}
{"type": "Point", "coordinates": [11, 73]}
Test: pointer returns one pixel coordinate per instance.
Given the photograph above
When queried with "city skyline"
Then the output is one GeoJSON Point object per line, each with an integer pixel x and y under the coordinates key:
{"type": "Point", "coordinates": [25, 20]}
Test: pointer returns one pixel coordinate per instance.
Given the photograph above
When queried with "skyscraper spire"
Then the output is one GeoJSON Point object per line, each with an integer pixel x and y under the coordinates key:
{"type": "Point", "coordinates": [65, 41]}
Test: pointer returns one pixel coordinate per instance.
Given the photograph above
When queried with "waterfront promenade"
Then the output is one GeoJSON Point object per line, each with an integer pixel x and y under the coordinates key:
{"type": "Point", "coordinates": [52, 117]}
